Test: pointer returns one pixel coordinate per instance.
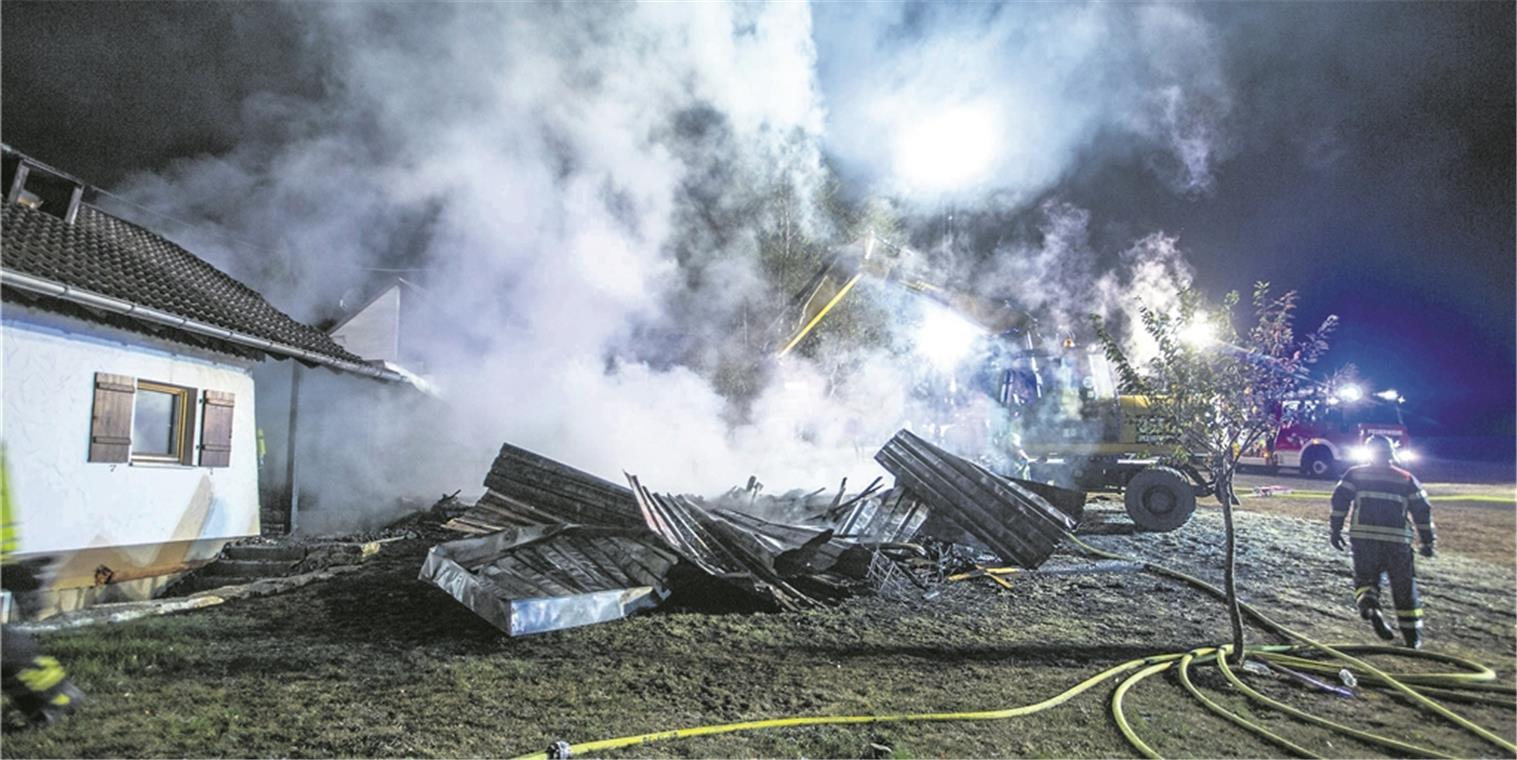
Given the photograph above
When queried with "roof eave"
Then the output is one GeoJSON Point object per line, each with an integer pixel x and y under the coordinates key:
{"type": "Point", "coordinates": [95, 300]}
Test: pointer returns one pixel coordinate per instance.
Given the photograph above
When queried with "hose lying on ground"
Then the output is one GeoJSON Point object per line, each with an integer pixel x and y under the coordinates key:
{"type": "Point", "coordinates": [1471, 676]}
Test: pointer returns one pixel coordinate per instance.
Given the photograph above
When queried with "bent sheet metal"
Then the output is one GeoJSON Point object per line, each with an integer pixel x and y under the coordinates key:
{"type": "Point", "coordinates": [547, 577]}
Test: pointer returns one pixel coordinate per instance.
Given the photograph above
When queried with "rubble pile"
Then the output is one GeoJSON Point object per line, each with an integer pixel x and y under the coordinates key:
{"type": "Point", "coordinates": [553, 547]}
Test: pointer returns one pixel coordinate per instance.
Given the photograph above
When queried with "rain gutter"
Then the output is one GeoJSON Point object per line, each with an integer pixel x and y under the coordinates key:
{"type": "Point", "coordinates": [148, 314]}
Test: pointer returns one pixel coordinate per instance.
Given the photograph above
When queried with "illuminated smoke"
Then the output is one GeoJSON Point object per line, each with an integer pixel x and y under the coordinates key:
{"type": "Point", "coordinates": [586, 187]}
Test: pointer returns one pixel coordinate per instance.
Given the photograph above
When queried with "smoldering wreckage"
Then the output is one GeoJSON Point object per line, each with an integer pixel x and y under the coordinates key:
{"type": "Point", "coordinates": [552, 547]}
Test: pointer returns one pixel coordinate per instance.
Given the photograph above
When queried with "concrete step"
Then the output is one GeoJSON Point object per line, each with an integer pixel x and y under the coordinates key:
{"type": "Point", "coordinates": [248, 568]}
{"type": "Point", "coordinates": [265, 552]}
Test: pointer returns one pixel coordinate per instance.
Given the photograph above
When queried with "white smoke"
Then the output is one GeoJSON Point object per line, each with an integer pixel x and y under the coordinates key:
{"type": "Point", "coordinates": [585, 184]}
{"type": "Point", "coordinates": [552, 169]}
{"type": "Point", "coordinates": [1064, 279]}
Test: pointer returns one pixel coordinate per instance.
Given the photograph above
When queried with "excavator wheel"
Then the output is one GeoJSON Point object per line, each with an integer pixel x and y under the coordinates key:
{"type": "Point", "coordinates": [1160, 499]}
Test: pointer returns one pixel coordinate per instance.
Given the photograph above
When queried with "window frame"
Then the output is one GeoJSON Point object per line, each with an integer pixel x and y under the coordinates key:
{"type": "Point", "coordinates": [185, 434]}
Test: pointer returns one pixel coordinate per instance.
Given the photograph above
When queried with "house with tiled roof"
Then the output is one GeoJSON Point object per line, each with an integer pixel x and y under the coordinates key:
{"type": "Point", "coordinates": [129, 424]}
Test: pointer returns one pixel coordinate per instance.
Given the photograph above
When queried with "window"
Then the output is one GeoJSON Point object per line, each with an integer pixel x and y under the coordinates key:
{"type": "Point", "coordinates": [145, 421]}
{"type": "Point", "coordinates": [160, 423]}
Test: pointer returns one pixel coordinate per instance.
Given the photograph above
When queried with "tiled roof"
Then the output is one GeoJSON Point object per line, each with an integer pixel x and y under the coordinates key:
{"type": "Point", "coordinates": [112, 257]}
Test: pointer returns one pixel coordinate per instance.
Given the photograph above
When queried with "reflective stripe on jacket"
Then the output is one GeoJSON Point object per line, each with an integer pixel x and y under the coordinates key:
{"type": "Point", "coordinates": [1377, 502]}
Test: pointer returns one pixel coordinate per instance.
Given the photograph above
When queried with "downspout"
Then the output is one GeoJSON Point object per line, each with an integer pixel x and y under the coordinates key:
{"type": "Point", "coordinates": [291, 458]}
{"type": "Point", "coordinates": [147, 314]}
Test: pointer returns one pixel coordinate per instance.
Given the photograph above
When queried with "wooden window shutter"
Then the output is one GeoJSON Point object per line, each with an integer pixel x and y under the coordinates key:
{"type": "Point", "coordinates": [216, 429]}
{"type": "Point", "coordinates": [111, 422]}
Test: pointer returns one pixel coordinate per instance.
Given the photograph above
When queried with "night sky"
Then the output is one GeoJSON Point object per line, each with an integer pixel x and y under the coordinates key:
{"type": "Point", "coordinates": [1368, 158]}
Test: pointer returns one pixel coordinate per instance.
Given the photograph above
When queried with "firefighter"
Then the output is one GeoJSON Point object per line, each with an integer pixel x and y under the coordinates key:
{"type": "Point", "coordinates": [35, 683]}
{"type": "Point", "coordinates": [1380, 497]}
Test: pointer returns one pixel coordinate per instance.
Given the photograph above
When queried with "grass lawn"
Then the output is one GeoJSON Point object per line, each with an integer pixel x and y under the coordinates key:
{"type": "Point", "coordinates": [375, 663]}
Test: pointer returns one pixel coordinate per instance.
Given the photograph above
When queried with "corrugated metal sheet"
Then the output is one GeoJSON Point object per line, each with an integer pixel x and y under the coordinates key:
{"type": "Point", "coordinates": [1012, 521]}
{"type": "Point", "coordinates": [524, 488]}
{"type": "Point", "coordinates": [720, 548]}
{"type": "Point", "coordinates": [893, 517]}
{"type": "Point", "coordinates": [543, 578]}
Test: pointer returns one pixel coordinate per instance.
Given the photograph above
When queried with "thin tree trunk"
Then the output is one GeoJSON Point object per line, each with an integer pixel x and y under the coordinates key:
{"type": "Point", "coordinates": [1229, 573]}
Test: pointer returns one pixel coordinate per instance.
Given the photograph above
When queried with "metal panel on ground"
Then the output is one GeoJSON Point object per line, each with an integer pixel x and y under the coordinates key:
{"type": "Point", "coordinates": [544, 578]}
{"type": "Point", "coordinates": [1014, 522]}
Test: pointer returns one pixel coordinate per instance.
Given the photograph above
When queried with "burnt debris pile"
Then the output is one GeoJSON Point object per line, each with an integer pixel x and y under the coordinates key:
{"type": "Point", "coordinates": [552, 547]}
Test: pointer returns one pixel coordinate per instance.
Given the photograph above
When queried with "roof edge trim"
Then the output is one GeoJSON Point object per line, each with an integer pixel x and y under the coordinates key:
{"type": "Point", "coordinates": [136, 311]}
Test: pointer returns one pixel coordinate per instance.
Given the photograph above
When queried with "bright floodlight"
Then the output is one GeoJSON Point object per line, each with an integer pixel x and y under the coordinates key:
{"type": "Point", "coordinates": [944, 338]}
{"type": "Point", "coordinates": [1388, 395]}
{"type": "Point", "coordinates": [947, 150]}
{"type": "Point", "coordinates": [1349, 393]}
{"type": "Point", "coordinates": [1200, 333]}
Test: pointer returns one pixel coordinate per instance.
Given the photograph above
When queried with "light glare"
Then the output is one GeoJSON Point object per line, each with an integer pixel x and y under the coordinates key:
{"type": "Point", "coordinates": [1200, 333]}
{"type": "Point", "coordinates": [947, 150]}
{"type": "Point", "coordinates": [944, 338]}
{"type": "Point", "coordinates": [1350, 393]}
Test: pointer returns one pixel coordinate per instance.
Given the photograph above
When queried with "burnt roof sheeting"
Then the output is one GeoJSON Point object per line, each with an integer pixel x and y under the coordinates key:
{"type": "Point", "coordinates": [723, 549]}
{"type": "Point", "coordinates": [549, 577]}
{"type": "Point", "coordinates": [524, 488]}
{"type": "Point", "coordinates": [1015, 523]}
{"type": "Point", "coordinates": [1066, 500]}
{"type": "Point", "coordinates": [894, 517]}
{"type": "Point", "coordinates": [102, 254]}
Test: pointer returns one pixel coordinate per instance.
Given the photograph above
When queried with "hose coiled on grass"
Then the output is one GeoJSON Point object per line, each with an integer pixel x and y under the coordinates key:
{"type": "Point", "coordinates": [1470, 676]}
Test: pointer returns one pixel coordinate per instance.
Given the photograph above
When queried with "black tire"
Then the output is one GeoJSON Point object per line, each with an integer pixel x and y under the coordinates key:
{"type": "Point", "coordinates": [1317, 462]}
{"type": "Point", "coordinates": [1160, 499]}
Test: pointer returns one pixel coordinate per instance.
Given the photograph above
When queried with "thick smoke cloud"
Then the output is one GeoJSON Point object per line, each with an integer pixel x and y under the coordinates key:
{"type": "Point", "coordinates": [583, 186]}
{"type": "Point", "coordinates": [586, 190]}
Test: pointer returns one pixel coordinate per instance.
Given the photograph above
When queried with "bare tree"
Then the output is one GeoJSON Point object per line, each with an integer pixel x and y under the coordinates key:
{"type": "Point", "coordinates": [1220, 389]}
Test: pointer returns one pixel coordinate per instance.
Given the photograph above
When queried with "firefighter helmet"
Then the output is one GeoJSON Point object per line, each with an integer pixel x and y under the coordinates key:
{"type": "Point", "coordinates": [1381, 449]}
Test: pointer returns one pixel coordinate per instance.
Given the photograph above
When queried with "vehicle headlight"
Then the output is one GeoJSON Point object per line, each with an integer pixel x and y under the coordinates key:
{"type": "Point", "coordinates": [1406, 455]}
{"type": "Point", "coordinates": [1359, 454]}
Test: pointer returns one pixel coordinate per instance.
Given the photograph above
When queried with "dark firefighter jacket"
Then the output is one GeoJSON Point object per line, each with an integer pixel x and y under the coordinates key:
{"type": "Point", "coordinates": [1381, 498]}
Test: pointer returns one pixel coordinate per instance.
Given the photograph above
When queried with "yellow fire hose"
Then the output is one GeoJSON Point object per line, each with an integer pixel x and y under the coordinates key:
{"type": "Point", "coordinates": [1469, 676]}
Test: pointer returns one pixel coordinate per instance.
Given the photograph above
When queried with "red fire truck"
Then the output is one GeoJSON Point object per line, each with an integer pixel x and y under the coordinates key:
{"type": "Point", "coordinates": [1327, 431]}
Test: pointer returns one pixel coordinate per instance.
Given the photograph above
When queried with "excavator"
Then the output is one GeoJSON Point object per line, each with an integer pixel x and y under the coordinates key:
{"type": "Point", "coordinates": [1022, 403]}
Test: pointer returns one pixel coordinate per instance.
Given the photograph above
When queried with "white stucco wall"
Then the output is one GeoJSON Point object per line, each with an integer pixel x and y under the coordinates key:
{"type": "Point", "coordinates": [65, 502]}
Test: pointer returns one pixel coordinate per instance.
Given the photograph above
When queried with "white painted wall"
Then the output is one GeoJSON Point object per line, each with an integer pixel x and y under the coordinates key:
{"type": "Point", "coordinates": [65, 502]}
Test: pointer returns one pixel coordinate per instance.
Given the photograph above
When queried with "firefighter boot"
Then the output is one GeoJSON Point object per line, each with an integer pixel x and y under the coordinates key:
{"type": "Point", "coordinates": [1377, 621]}
{"type": "Point", "coordinates": [1412, 637]}
{"type": "Point", "coordinates": [43, 693]}
{"type": "Point", "coordinates": [61, 702]}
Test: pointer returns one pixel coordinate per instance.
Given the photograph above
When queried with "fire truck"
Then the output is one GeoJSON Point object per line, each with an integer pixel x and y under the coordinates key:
{"type": "Point", "coordinates": [1327, 429]}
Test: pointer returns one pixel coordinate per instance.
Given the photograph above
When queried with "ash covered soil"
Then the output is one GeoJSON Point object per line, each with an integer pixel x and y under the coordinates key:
{"type": "Point", "coordinates": [375, 663]}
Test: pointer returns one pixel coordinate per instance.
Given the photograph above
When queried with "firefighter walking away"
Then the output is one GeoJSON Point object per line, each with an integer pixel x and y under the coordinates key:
{"type": "Point", "coordinates": [1376, 500]}
{"type": "Point", "coordinates": [34, 682]}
